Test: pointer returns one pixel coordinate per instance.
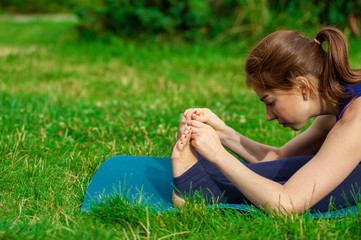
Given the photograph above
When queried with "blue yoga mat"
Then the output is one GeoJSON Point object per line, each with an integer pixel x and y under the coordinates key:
{"type": "Point", "coordinates": [148, 180]}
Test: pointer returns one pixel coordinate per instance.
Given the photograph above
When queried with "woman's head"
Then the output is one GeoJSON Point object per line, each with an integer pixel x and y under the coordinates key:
{"type": "Point", "coordinates": [288, 107]}
{"type": "Point", "coordinates": [283, 56]}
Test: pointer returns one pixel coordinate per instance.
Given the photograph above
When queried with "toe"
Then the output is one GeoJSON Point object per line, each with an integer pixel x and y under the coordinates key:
{"type": "Point", "coordinates": [180, 144]}
{"type": "Point", "coordinates": [181, 129]}
{"type": "Point", "coordinates": [186, 136]}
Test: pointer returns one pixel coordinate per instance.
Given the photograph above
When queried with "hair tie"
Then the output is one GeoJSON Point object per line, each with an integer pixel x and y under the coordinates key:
{"type": "Point", "coordinates": [316, 41]}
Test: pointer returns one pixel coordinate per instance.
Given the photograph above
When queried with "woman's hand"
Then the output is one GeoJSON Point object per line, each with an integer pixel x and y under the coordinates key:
{"type": "Point", "coordinates": [205, 140]}
{"type": "Point", "coordinates": [206, 116]}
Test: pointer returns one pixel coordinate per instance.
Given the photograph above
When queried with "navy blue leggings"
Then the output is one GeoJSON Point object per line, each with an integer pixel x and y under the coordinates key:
{"type": "Point", "coordinates": [209, 181]}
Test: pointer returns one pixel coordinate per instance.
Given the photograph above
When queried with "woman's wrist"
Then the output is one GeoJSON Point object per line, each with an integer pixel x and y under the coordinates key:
{"type": "Point", "coordinates": [220, 156]}
{"type": "Point", "coordinates": [226, 134]}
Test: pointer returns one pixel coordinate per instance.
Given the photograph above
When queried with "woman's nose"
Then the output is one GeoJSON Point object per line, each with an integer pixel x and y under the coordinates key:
{"type": "Point", "coordinates": [270, 115]}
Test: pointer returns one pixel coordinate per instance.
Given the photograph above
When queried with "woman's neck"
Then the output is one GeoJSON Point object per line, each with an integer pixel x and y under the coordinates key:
{"type": "Point", "coordinates": [325, 107]}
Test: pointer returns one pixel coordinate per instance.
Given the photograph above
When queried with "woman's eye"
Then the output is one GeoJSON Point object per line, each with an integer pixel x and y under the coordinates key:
{"type": "Point", "coordinates": [271, 103]}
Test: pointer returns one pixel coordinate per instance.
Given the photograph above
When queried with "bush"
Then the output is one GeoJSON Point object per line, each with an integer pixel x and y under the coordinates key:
{"type": "Point", "coordinates": [189, 18]}
{"type": "Point", "coordinates": [343, 14]}
{"type": "Point", "coordinates": [216, 19]}
{"type": "Point", "coordinates": [194, 19]}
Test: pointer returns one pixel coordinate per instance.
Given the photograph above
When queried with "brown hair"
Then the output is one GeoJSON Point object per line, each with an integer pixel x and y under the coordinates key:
{"type": "Point", "coordinates": [279, 58]}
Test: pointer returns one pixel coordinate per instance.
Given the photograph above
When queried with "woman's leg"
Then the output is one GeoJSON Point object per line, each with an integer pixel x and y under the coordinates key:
{"type": "Point", "coordinates": [348, 193]}
{"type": "Point", "coordinates": [277, 170]}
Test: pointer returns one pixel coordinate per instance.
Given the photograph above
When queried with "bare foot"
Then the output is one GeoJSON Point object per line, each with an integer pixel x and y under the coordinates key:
{"type": "Point", "coordinates": [181, 128]}
{"type": "Point", "coordinates": [178, 202]}
{"type": "Point", "coordinates": [183, 158]}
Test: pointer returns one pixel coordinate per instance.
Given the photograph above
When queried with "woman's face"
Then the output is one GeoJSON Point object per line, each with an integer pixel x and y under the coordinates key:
{"type": "Point", "coordinates": [289, 108]}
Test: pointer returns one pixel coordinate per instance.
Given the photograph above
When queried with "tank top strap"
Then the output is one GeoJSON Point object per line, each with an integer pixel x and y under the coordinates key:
{"type": "Point", "coordinates": [356, 90]}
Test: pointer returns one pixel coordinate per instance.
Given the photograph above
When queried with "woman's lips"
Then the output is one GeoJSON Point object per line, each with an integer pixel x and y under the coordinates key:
{"type": "Point", "coordinates": [284, 124]}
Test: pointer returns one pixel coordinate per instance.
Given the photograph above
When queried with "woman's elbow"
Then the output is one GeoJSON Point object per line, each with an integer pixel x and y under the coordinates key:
{"type": "Point", "coordinates": [284, 207]}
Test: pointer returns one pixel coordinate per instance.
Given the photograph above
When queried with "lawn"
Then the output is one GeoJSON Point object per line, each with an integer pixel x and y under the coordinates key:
{"type": "Point", "coordinates": [67, 105]}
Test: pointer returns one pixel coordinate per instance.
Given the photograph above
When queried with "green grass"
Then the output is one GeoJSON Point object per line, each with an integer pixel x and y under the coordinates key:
{"type": "Point", "coordinates": [67, 105]}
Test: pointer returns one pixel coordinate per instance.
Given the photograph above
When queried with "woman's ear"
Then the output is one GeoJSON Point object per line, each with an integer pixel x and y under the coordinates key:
{"type": "Point", "coordinates": [304, 87]}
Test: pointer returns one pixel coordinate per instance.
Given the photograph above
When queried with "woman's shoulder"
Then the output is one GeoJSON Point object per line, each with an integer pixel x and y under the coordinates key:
{"type": "Point", "coordinates": [352, 113]}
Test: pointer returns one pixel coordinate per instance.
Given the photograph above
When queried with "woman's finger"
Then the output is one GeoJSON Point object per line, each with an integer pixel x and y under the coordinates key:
{"type": "Point", "coordinates": [200, 117]}
{"type": "Point", "coordinates": [184, 120]}
{"type": "Point", "coordinates": [186, 112]}
{"type": "Point", "coordinates": [189, 113]}
{"type": "Point", "coordinates": [196, 124]}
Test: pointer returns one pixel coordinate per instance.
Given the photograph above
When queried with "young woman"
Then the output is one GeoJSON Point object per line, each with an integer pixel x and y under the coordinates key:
{"type": "Point", "coordinates": [296, 79]}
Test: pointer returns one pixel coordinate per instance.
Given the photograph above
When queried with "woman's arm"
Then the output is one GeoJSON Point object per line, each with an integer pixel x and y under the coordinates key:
{"type": "Point", "coordinates": [307, 143]}
{"type": "Point", "coordinates": [338, 156]}
{"type": "Point", "coordinates": [249, 150]}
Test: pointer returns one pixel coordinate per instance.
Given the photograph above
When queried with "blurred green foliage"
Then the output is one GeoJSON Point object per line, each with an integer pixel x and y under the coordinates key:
{"type": "Point", "coordinates": [213, 19]}
{"type": "Point", "coordinates": [188, 18]}
{"type": "Point", "coordinates": [218, 20]}
{"type": "Point", "coordinates": [344, 14]}
{"type": "Point", "coordinates": [36, 6]}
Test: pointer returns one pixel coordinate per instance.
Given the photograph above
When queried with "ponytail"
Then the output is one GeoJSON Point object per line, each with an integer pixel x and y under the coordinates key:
{"type": "Point", "coordinates": [337, 73]}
